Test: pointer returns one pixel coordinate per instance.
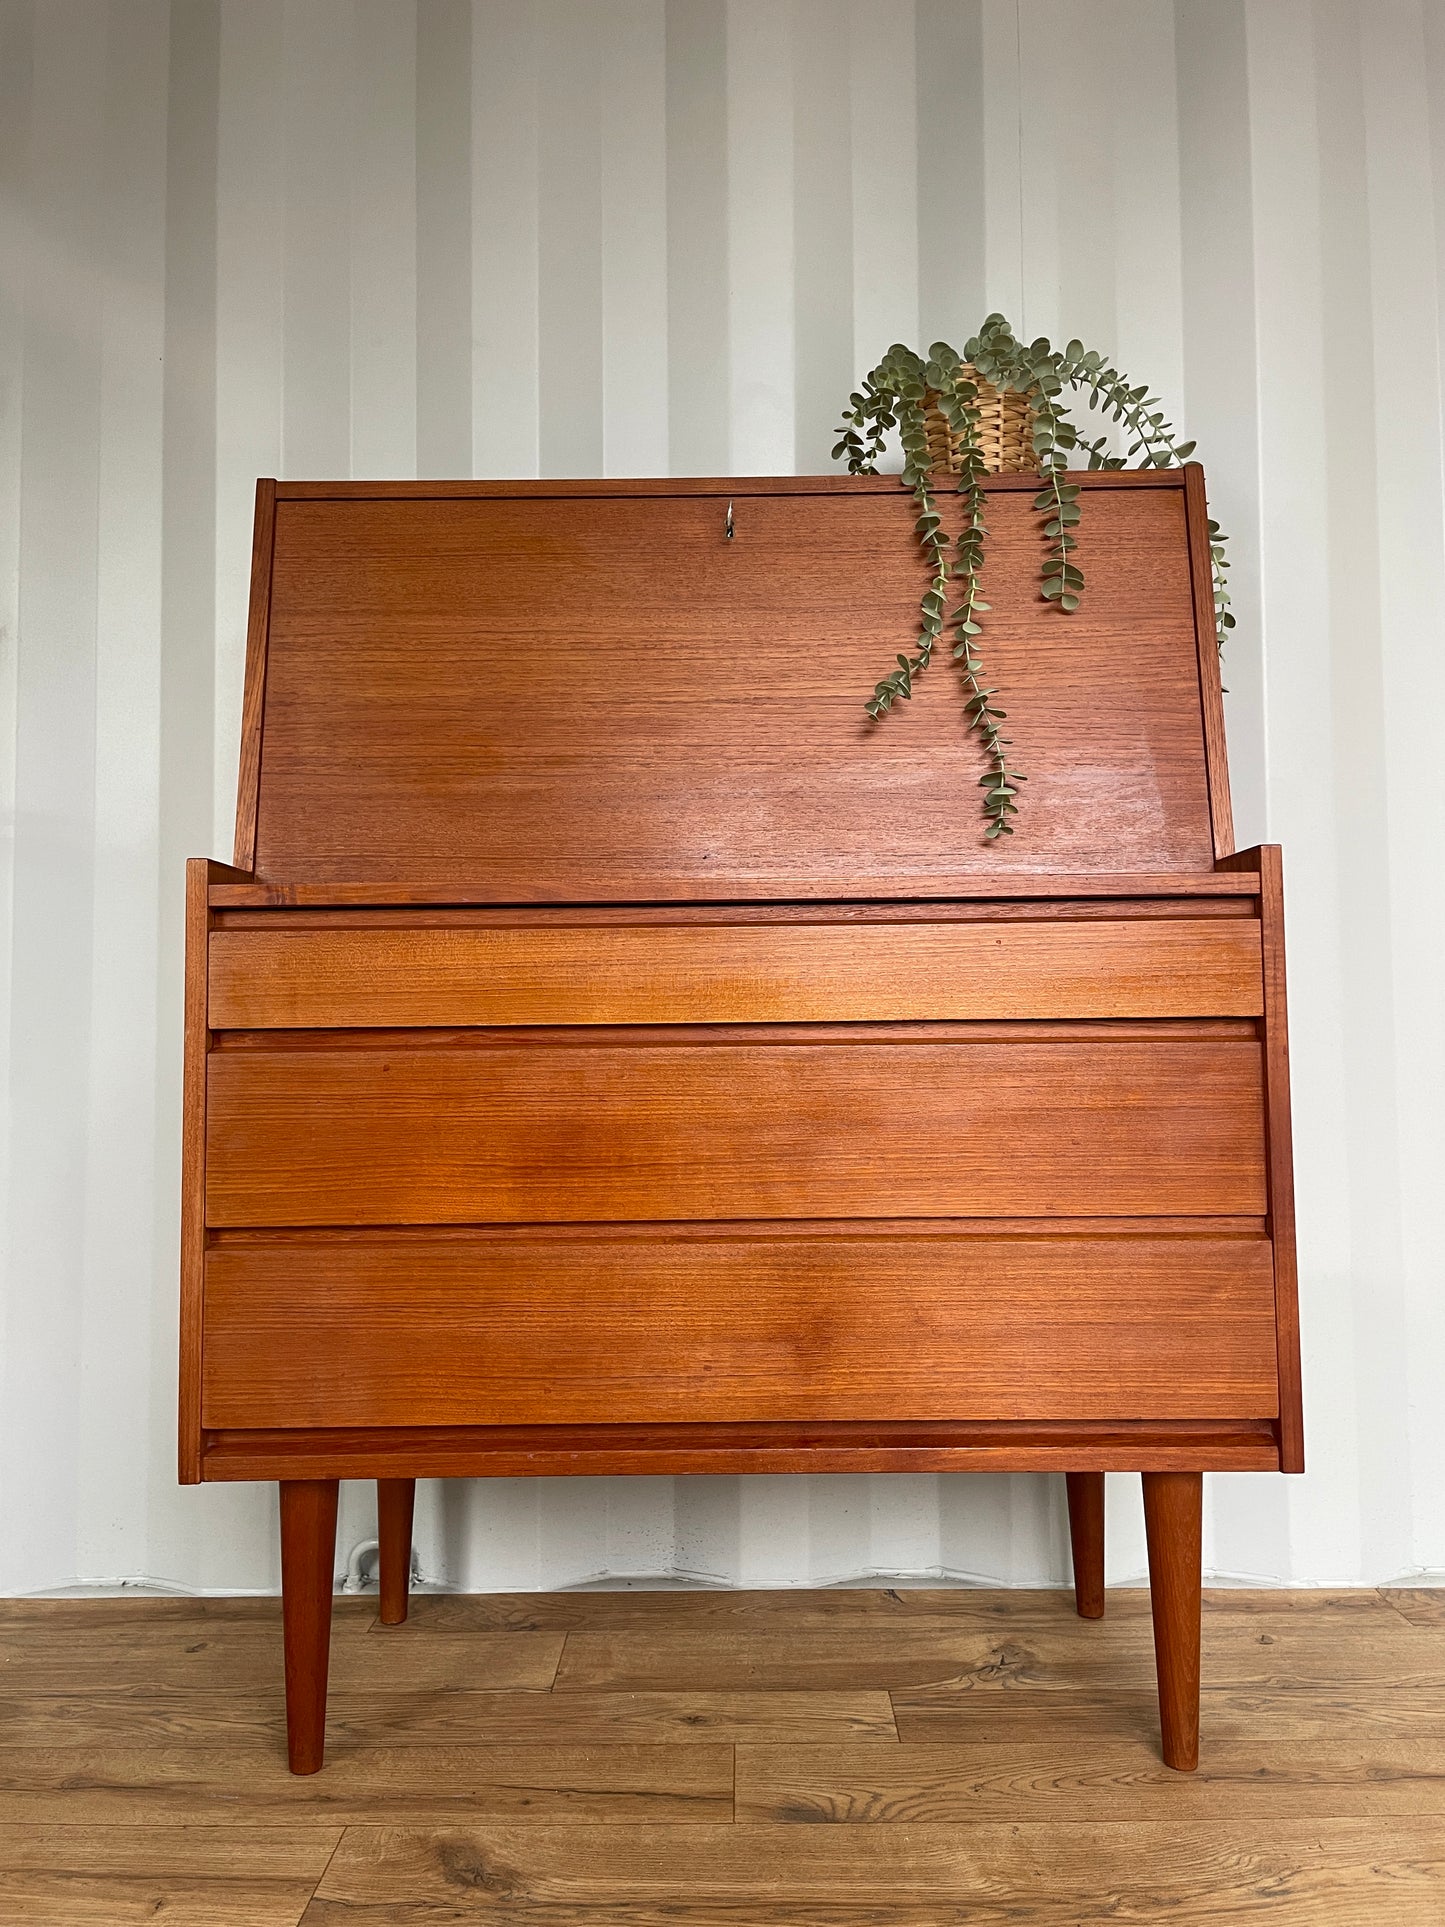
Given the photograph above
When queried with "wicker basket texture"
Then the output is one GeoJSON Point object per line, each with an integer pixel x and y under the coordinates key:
{"type": "Point", "coordinates": [1005, 430]}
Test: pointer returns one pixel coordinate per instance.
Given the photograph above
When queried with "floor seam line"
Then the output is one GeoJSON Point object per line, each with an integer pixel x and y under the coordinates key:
{"type": "Point", "coordinates": [340, 1838]}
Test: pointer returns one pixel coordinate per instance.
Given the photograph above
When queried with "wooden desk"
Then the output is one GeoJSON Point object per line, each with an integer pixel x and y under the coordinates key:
{"type": "Point", "coordinates": [611, 1053]}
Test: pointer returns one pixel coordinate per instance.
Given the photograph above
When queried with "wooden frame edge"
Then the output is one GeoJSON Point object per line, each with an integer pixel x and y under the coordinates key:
{"type": "Point", "coordinates": [1211, 692]}
{"type": "Point", "coordinates": [1266, 858]}
{"type": "Point", "coordinates": [201, 874]}
{"type": "Point", "coordinates": [724, 485]}
{"type": "Point", "coordinates": [681, 1451]}
{"type": "Point", "coordinates": [193, 1171]}
{"type": "Point", "coordinates": [253, 701]}
{"type": "Point", "coordinates": [246, 893]}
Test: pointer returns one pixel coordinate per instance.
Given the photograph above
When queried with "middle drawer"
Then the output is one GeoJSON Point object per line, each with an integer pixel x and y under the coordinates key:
{"type": "Point", "coordinates": [489, 1127]}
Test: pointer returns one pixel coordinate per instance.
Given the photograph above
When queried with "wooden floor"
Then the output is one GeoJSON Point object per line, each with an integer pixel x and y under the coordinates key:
{"type": "Point", "coordinates": [845, 1758]}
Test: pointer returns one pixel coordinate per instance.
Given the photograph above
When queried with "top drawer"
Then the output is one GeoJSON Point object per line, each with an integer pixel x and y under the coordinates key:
{"type": "Point", "coordinates": [453, 977]}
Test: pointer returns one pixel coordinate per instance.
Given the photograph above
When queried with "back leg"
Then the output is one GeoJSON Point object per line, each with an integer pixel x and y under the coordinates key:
{"type": "Point", "coordinates": [1086, 1534]}
{"type": "Point", "coordinates": [395, 1503]}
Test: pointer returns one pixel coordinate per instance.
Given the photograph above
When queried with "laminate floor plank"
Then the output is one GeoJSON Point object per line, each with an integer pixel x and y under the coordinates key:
{"type": "Point", "coordinates": [442, 1716]}
{"type": "Point", "coordinates": [143, 1716]}
{"type": "Point", "coordinates": [890, 1658]}
{"type": "Point", "coordinates": [1422, 1606]}
{"type": "Point", "coordinates": [1376, 1713]}
{"type": "Point", "coordinates": [722, 1610]}
{"type": "Point", "coordinates": [1325, 1605]}
{"type": "Point", "coordinates": [212, 1659]}
{"type": "Point", "coordinates": [130, 1616]}
{"type": "Point", "coordinates": [1286, 1652]}
{"type": "Point", "coordinates": [845, 1607]}
{"type": "Point", "coordinates": [1248, 1777]}
{"type": "Point", "coordinates": [183, 1876]}
{"type": "Point", "coordinates": [1190, 1873]}
{"type": "Point", "coordinates": [378, 1784]}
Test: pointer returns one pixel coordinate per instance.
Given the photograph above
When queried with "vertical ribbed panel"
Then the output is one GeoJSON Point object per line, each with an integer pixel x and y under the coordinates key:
{"type": "Point", "coordinates": [566, 237]}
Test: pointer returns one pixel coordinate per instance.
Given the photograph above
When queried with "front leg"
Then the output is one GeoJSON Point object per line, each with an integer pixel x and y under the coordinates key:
{"type": "Point", "coordinates": [308, 1562]}
{"type": "Point", "coordinates": [1173, 1525]}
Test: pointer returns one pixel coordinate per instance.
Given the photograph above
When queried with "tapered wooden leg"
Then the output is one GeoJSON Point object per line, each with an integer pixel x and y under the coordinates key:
{"type": "Point", "coordinates": [395, 1502]}
{"type": "Point", "coordinates": [308, 1559]}
{"type": "Point", "coordinates": [1173, 1524]}
{"type": "Point", "coordinates": [1086, 1534]}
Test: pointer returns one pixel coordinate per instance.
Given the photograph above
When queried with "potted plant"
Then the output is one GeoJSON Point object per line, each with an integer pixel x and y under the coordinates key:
{"type": "Point", "coordinates": [998, 407]}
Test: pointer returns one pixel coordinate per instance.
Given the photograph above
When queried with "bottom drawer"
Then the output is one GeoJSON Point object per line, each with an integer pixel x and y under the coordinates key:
{"type": "Point", "coordinates": [662, 1324]}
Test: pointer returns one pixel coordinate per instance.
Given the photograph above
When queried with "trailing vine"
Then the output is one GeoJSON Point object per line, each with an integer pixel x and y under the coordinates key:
{"type": "Point", "coordinates": [899, 394]}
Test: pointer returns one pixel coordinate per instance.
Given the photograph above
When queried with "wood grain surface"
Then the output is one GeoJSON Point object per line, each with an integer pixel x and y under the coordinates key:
{"type": "Point", "coordinates": [253, 705]}
{"type": "Point", "coordinates": [570, 488]}
{"type": "Point", "coordinates": [1267, 859]}
{"type": "Point", "coordinates": [431, 714]}
{"type": "Point", "coordinates": [74, 1875]}
{"type": "Point", "coordinates": [1418, 1605]}
{"type": "Point", "coordinates": [1173, 1529]}
{"type": "Point", "coordinates": [949, 1668]}
{"type": "Point", "coordinates": [308, 1561]}
{"type": "Point", "coordinates": [1026, 1787]}
{"type": "Point", "coordinates": [604, 1783]}
{"type": "Point", "coordinates": [473, 1133]}
{"type": "Point", "coordinates": [202, 876]}
{"type": "Point", "coordinates": [1131, 888]}
{"type": "Point", "coordinates": [758, 1326]}
{"type": "Point", "coordinates": [620, 1449]}
{"type": "Point", "coordinates": [196, 1044]}
{"type": "Point", "coordinates": [223, 1659]}
{"type": "Point", "coordinates": [1201, 573]}
{"type": "Point", "coordinates": [987, 1876]}
{"type": "Point", "coordinates": [963, 1783]}
{"type": "Point", "coordinates": [800, 973]}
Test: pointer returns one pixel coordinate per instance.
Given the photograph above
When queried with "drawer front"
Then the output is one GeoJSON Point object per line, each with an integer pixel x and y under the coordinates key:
{"type": "Point", "coordinates": [476, 1131]}
{"type": "Point", "coordinates": [783, 973]}
{"type": "Point", "coordinates": [665, 1327]}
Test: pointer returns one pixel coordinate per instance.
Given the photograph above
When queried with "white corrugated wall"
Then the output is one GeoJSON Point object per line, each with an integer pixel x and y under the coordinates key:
{"type": "Point", "coordinates": [576, 237]}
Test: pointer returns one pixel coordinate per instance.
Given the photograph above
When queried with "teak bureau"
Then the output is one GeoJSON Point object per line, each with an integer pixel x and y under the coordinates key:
{"type": "Point", "coordinates": [612, 1053]}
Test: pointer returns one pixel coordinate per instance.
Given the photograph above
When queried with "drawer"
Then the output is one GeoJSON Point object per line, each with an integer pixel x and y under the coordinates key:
{"type": "Point", "coordinates": [733, 1325]}
{"type": "Point", "coordinates": [566, 1127]}
{"type": "Point", "coordinates": [769, 973]}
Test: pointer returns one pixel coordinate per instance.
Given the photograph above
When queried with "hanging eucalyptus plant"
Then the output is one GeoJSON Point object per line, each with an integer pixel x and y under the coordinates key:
{"type": "Point", "coordinates": [902, 392]}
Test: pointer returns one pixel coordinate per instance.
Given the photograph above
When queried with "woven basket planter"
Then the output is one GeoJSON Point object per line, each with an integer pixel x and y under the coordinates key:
{"type": "Point", "coordinates": [1005, 430]}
